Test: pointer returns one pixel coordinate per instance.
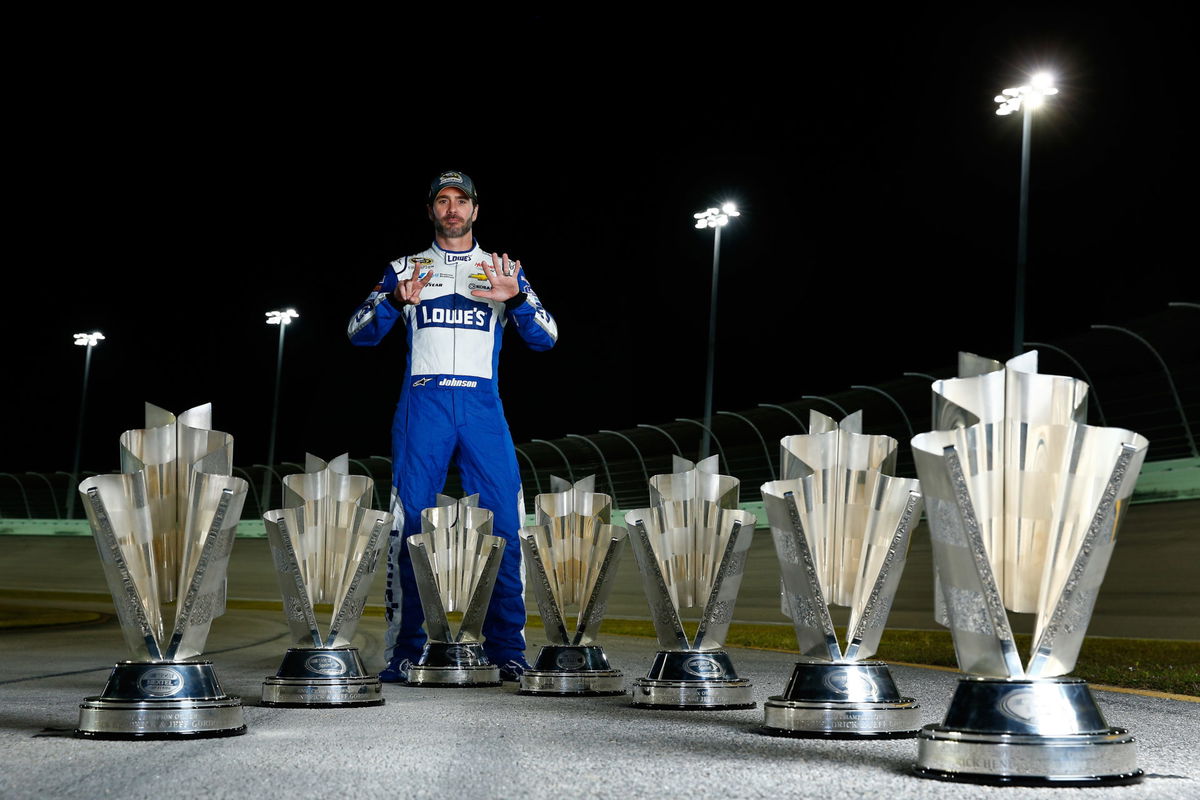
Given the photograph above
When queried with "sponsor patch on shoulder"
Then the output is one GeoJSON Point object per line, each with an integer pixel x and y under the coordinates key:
{"type": "Point", "coordinates": [420, 261]}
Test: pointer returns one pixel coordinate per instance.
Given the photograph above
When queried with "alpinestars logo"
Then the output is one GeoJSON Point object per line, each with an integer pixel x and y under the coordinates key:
{"type": "Point", "coordinates": [421, 381]}
{"type": "Point", "coordinates": [458, 382]}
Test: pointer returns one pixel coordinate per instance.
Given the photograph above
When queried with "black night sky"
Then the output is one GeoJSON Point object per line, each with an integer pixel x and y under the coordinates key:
{"type": "Point", "coordinates": [170, 188]}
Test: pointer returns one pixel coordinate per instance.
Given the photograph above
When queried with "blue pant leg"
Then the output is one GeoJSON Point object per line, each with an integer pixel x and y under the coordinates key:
{"type": "Point", "coordinates": [422, 443]}
{"type": "Point", "coordinates": [488, 463]}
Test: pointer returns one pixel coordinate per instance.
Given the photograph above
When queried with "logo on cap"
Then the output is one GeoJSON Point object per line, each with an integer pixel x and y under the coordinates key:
{"type": "Point", "coordinates": [570, 659]}
{"type": "Point", "coordinates": [702, 667]}
{"type": "Point", "coordinates": [324, 665]}
{"type": "Point", "coordinates": [160, 682]}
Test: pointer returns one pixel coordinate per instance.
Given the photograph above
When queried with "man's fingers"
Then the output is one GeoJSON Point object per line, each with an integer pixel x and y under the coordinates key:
{"type": "Point", "coordinates": [410, 289]}
{"type": "Point", "coordinates": [502, 266]}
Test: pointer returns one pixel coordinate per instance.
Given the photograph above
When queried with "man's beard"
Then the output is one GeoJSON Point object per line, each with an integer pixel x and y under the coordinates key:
{"type": "Point", "coordinates": [454, 230]}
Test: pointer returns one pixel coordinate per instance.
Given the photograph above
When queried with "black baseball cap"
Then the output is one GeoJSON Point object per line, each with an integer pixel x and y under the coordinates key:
{"type": "Point", "coordinates": [459, 180]}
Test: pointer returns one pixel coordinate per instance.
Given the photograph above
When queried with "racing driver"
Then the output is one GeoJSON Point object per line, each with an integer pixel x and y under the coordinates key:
{"type": "Point", "coordinates": [456, 300]}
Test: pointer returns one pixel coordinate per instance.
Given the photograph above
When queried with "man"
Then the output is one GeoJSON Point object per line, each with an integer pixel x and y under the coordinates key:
{"type": "Point", "coordinates": [456, 300]}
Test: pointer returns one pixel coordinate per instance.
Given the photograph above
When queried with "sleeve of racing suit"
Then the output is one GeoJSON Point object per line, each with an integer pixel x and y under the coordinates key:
{"type": "Point", "coordinates": [376, 316]}
{"type": "Point", "coordinates": [534, 323]}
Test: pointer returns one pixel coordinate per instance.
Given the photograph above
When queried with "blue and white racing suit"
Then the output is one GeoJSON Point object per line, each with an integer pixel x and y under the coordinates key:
{"type": "Point", "coordinates": [450, 408]}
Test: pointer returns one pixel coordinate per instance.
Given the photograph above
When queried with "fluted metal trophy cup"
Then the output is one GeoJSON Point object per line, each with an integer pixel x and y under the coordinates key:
{"type": "Point", "coordinates": [690, 546]}
{"type": "Point", "coordinates": [325, 544]}
{"type": "Point", "coordinates": [571, 556]}
{"type": "Point", "coordinates": [1024, 501]}
{"type": "Point", "coordinates": [455, 560]}
{"type": "Point", "coordinates": [164, 528]}
{"type": "Point", "coordinates": [841, 527]}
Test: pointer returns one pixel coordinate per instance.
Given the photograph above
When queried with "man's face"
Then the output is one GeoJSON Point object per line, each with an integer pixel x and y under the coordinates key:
{"type": "Point", "coordinates": [452, 213]}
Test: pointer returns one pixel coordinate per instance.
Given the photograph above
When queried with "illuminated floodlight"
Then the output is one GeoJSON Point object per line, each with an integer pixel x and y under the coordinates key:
{"type": "Point", "coordinates": [88, 339]}
{"type": "Point", "coordinates": [1032, 94]}
{"type": "Point", "coordinates": [716, 217]}
{"type": "Point", "coordinates": [281, 317]}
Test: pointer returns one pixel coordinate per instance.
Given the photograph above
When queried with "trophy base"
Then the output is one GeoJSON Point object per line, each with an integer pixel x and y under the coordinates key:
{"type": "Point", "coordinates": [312, 677]}
{"type": "Point", "coordinates": [572, 671]}
{"type": "Point", "coordinates": [858, 700]}
{"type": "Point", "coordinates": [161, 700]}
{"type": "Point", "coordinates": [1041, 732]}
{"type": "Point", "coordinates": [690, 680]}
{"type": "Point", "coordinates": [453, 665]}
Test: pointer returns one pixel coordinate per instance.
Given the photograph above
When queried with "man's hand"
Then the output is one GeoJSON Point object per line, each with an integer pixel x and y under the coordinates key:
{"type": "Point", "coordinates": [503, 276]}
{"type": "Point", "coordinates": [409, 291]}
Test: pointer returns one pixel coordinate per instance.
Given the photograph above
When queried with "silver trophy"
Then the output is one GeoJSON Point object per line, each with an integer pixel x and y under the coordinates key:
{"type": "Point", "coordinates": [164, 527]}
{"type": "Point", "coordinates": [1024, 501]}
{"type": "Point", "coordinates": [571, 555]}
{"type": "Point", "coordinates": [841, 526]}
{"type": "Point", "coordinates": [325, 545]}
{"type": "Point", "coordinates": [690, 546]}
{"type": "Point", "coordinates": [455, 560]}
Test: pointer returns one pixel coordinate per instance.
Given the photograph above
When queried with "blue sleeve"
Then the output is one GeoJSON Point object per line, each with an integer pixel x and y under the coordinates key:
{"type": "Point", "coordinates": [532, 320]}
{"type": "Point", "coordinates": [376, 316]}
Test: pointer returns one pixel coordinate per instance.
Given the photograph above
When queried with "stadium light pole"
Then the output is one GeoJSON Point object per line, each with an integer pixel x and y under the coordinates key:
{"type": "Point", "coordinates": [1025, 98]}
{"type": "Point", "coordinates": [87, 341]}
{"type": "Point", "coordinates": [715, 218]}
{"type": "Point", "coordinates": [282, 319]}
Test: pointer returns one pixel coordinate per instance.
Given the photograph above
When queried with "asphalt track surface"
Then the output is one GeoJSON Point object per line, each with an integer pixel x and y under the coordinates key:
{"type": "Point", "coordinates": [486, 743]}
{"type": "Point", "coordinates": [493, 743]}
